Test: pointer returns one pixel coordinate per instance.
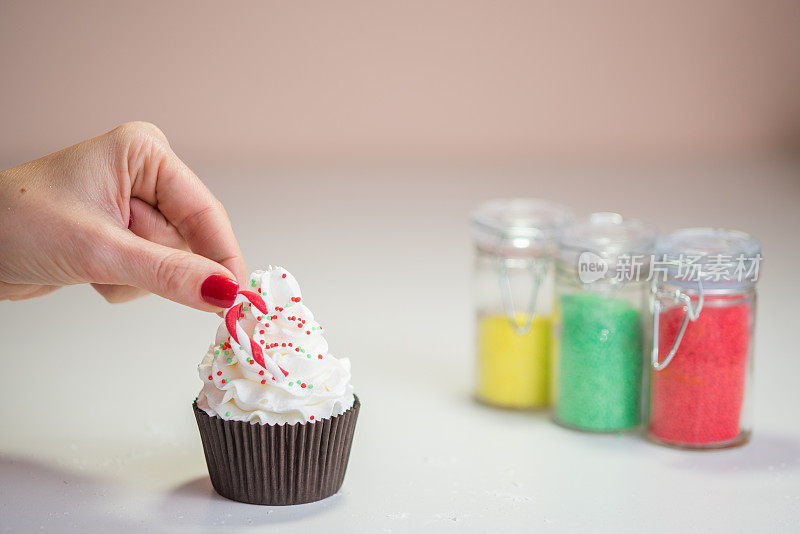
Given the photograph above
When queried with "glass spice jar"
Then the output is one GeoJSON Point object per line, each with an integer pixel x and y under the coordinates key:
{"type": "Point", "coordinates": [513, 281]}
{"type": "Point", "coordinates": [600, 322]}
{"type": "Point", "coordinates": [704, 301]}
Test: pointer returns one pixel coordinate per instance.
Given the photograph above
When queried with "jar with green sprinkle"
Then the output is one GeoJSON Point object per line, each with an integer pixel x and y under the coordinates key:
{"type": "Point", "coordinates": [600, 322]}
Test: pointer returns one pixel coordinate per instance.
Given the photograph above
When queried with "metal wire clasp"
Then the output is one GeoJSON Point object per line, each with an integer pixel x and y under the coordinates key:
{"type": "Point", "coordinates": [537, 270]}
{"type": "Point", "coordinates": [691, 313]}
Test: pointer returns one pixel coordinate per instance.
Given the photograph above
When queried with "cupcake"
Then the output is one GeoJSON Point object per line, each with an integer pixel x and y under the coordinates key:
{"type": "Point", "coordinates": [277, 411]}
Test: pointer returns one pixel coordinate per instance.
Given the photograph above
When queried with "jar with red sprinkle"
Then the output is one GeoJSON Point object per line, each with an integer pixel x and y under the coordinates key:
{"type": "Point", "coordinates": [704, 303]}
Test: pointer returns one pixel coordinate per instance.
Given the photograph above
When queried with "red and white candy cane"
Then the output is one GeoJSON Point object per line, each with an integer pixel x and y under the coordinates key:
{"type": "Point", "coordinates": [240, 337]}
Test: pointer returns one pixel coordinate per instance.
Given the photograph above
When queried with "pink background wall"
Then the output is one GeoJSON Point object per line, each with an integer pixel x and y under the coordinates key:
{"type": "Point", "coordinates": [255, 82]}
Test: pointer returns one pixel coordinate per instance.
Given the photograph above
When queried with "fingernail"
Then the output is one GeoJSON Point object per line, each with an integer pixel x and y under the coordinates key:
{"type": "Point", "coordinates": [219, 290]}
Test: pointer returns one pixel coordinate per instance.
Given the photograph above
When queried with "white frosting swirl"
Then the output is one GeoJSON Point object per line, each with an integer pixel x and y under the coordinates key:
{"type": "Point", "coordinates": [236, 387]}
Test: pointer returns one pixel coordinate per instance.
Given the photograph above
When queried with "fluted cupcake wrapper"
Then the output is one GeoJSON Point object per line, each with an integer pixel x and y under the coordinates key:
{"type": "Point", "coordinates": [277, 464]}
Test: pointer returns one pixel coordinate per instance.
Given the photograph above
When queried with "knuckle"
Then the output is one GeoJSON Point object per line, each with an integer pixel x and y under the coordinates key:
{"type": "Point", "coordinates": [93, 253]}
{"type": "Point", "coordinates": [139, 129]}
{"type": "Point", "coordinates": [138, 148]}
{"type": "Point", "coordinates": [221, 208]}
{"type": "Point", "coordinates": [170, 274]}
{"type": "Point", "coordinates": [190, 225]}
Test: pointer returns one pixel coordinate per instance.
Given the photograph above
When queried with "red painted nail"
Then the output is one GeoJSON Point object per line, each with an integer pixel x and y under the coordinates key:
{"type": "Point", "coordinates": [219, 290]}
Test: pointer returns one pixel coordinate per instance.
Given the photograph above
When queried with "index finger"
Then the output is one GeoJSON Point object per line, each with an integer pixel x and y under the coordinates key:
{"type": "Point", "coordinates": [166, 183]}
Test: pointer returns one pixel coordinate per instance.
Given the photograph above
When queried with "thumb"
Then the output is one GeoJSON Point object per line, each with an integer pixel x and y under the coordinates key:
{"type": "Point", "coordinates": [174, 274]}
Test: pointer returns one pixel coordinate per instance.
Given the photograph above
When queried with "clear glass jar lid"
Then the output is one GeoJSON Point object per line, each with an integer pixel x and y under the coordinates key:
{"type": "Point", "coordinates": [717, 257]}
{"type": "Point", "coordinates": [609, 236]}
{"type": "Point", "coordinates": [505, 225]}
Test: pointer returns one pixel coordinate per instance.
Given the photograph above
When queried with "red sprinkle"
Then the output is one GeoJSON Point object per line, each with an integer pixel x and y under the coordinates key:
{"type": "Point", "coordinates": [210, 377]}
{"type": "Point", "coordinates": [697, 398]}
{"type": "Point", "coordinates": [311, 418]}
{"type": "Point", "coordinates": [261, 372]}
{"type": "Point", "coordinates": [283, 275]}
{"type": "Point", "coordinates": [263, 381]}
{"type": "Point", "coordinates": [219, 373]}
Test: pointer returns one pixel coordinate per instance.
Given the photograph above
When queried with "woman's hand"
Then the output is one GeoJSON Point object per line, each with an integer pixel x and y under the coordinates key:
{"type": "Point", "coordinates": [120, 211]}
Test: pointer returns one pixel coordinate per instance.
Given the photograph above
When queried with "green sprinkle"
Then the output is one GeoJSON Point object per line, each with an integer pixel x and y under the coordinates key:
{"type": "Point", "coordinates": [216, 352]}
{"type": "Point", "coordinates": [227, 352]}
{"type": "Point", "coordinates": [311, 386]}
{"type": "Point", "coordinates": [599, 363]}
{"type": "Point", "coordinates": [291, 383]}
{"type": "Point", "coordinates": [229, 360]}
{"type": "Point", "coordinates": [253, 283]}
{"type": "Point", "coordinates": [308, 356]}
{"type": "Point", "coordinates": [227, 414]}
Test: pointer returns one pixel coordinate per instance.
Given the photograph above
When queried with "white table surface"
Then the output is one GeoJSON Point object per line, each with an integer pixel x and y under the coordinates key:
{"type": "Point", "coordinates": [98, 433]}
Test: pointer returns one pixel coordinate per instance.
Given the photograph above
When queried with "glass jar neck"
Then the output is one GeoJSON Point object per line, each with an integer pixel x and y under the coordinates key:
{"type": "Point", "coordinates": [707, 287]}
{"type": "Point", "coordinates": [507, 249]}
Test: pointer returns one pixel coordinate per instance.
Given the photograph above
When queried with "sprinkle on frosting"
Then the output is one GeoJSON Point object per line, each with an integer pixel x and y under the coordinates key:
{"type": "Point", "coordinates": [269, 376]}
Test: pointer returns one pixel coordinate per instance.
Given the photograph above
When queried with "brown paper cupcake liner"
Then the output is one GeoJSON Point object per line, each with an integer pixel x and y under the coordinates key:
{"type": "Point", "coordinates": [277, 464]}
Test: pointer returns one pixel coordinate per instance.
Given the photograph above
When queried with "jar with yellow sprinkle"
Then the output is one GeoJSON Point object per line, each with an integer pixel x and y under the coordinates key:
{"type": "Point", "coordinates": [515, 243]}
